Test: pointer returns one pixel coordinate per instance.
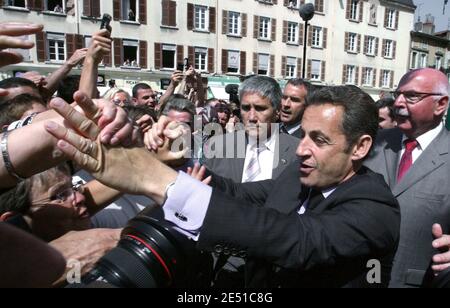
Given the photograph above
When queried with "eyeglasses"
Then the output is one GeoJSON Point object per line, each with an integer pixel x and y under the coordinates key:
{"type": "Point", "coordinates": [62, 195]}
{"type": "Point", "coordinates": [119, 102]}
{"type": "Point", "coordinates": [293, 98]}
{"type": "Point", "coordinates": [413, 97]}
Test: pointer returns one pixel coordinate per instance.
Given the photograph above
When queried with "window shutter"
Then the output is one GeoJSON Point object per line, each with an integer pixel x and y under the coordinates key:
{"type": "Point", "coordinates": [143, 12]}
{"type": "Point", "coordinates": [243, 66]}
{"type": "Point", "coordinates": [224, 22]}
{"type": "Point", "coordinates": [383, 48]}
{"type": "Point", "coordinates": [95, 8]}
{"type": "Point", "coordinates": [87, 7]}
{"type": "Point", "coordinates": [394, 49]}
{"type": "Point", "coordinates": [274, 29]}
{"type": "Point", "coordinates": [165, 7]}
{"type": "Point", "coordinates": [36, 5]}
{"type": "Point", "coordinates": [212, 19]}
{"type": "Point", "coordinates": [309, 35]}
{"type": "Point", "coordinates": [299, 67]}
{"type": "Point", "coordinates": [211, 60]}
{"type": "Point", "coordinates": [348, 10]}
{"type": "Point", "coordinates": [272, 66]}
{"type": "Point", "coordinates": [255, 63]}
{"type": "Point", "coordinates": [374, 81]}
{"type": "Point", "coordinates": [172, 13]}
{"type": "Point", "coordinates": [143, 54]}
{"type": "Point", "coordinates": [191, 55]}
{"type": "Point", "coordinates": [386, 11]}
{"type": "Point", "coordinates": [347, 39]}
{"type": "Point", "coordinates": [283, 66]}
{"type": "Point", "coordinates": [41, 46]}
{"type": "Point", "coordinates": [356, 75]}
{"type": "Point", "coordinates": [116, 10]}
{"type": "Point", "coordinates": [70, 41]}
{"type": "Point", "coordinates": [322, 77]}
{"type": "Point", "coordinates": [158, 56]}
{"type": "Point", "coordinates": [397, 15]}
{"type": "Point", "coordinates": [309, 69]}
{"type": "Point", "coordinates": [358, 49]}
{"type": "Point", "coordinates": [286, 3]}
{"type": "Point", "coordinates": [301, 34]}
{"type": "Point", "coordinates": [180, 54]}
{"type": "Point", "coordinates": [256, 27]}
{"type": "Point", "coordinates": [118, 48]}
{"type": "Point", "coordinates": [361, 10]}
{"type": "Point", "coordinates": [392, 80]}
{"type": "Point", "coordinates": [244, 25]}
{"type": "Point", "coordinates": [381, 78]}
{"type": "Point", "coordinates": [224, 61]}
{"type": "Point", "coordinates": [275, 2]}
{"type": "Point", "coordinates": [285, 31]}
{"type": "Point", "coordinates": [344, 74]}
{"type": "Point", "coordinates": [376, 46]}
{"type": "Point", "coordinates": [107, 59]}
{"type": "Point", "coordinates": [366, 45]}
{"type": "Point", "coordinates": [363, 74]}
{"type": "Point", "coordinates": [325, 37]}
{"type": "Point", "coordinates": [190, 17]}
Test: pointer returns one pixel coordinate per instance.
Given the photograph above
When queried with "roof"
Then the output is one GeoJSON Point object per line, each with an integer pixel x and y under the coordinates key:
{"type": "Point", "coordinates": [409, 3]}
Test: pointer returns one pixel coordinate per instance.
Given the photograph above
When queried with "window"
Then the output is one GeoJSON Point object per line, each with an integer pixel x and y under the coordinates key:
{"type": "Point", "coordinates": [438, 62]}
{"type": "Point", "coordinates": [291, 67]}
{"type": "Point", "coordinates": [352, 42]}
{"type": "Point", "coordinates": [168, 56]}
{"type": "Point", "coordinates": [388, 49]}
{"type": "Point", "coordinates": [201, 18]}
{"type": "Point", "coordinates": [16, 3]}
{"type": "Point", "coordinates": [292, 33]}
{"type": "Point", "coordinates": [386, 79]}
{"type": "Point", "coordinates": [234, 23]}
{"type": "Point", "coordinates": [294, 4]}
{"type": "Point", "coordinates": [130, 53]}
{"type": "Point", "coordinates": [368, 78]}
{"type": "Point", "coordinates": [354, 10]}
{"type": "Point", "coordinates": [263, 64]}
{"type": "Point", "coordinates": [57, 6]}
{"type": "Point", "coordinates": [56, 47]}
{"type": "Point", "coordinates": [373, 14]}
{"type": "Point", "coordinates": [317, 37]}
{"type": "Point", "coordinates": [414, 58]}
{"type": "Point", "coordinates": [129, 10]}
{"type": "Point", "coordinates": [391, 15]}
{"type": "Point", "coordinates": [316, 66]}
{"type": "Point", "coordinates": [233, 61]}
{"type": "Point", "coordinates": [423, 60]}
{"type": "Point", "coordinates": [264, 28]}
{"type": "Point", "coordinates": [371, 45]}
{"type": "Point", "coordinates": [201, 58]}
{"type": "Point", "coordinates": [351, 74]}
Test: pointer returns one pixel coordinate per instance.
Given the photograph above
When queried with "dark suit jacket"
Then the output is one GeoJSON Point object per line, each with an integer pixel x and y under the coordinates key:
{"type": "Point", "coordinates": [424, 198]}
{"type": "Point", "coordinates": [233, 168]}
{"type": "Point", "coordinates": [329, 246]}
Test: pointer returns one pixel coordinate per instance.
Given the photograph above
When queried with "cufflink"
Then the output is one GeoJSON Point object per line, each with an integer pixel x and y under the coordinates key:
{"type": "Point", "coordinates": [181, 217]}
{"type": "Point", "coordinates": [284, 161]}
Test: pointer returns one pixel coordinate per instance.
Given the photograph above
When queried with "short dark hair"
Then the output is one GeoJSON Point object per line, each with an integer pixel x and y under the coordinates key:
{"type": "Point", "coordinates": [67, 88]}
{"type": "Point", "coordinates": [138, 87]}
{"type": "Point", "coordinates": [360, 112]}
{"type": "Point", "coordinates": [14, 109]}
{"type": "Point", "coordinates": [15, 82]}
{"type": "Point", "coordinates": [179, 103]}
{"type": "Point", "coordinates": [16, 199]}
{"type": "Point", "coordinates": [298, 82]}
{"type": "Point", "coordinates": [137, 112]}
{"type": "Point", "coordinates": [387, 102]}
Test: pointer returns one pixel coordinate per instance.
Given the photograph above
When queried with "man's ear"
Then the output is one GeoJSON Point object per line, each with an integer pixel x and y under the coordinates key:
{"type": "Point", "coordinates": [7, 215]}
{"type": "Point", "coordinates": [362, 148]}
{"type": "Point", "coordinates": [441, 106]}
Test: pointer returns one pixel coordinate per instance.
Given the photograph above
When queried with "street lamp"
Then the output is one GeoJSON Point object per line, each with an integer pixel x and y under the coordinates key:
{"type": "Point", "coordinates": [306, 13]}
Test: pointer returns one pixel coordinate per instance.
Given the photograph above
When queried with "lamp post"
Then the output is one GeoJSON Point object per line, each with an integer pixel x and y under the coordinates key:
{"type": "Point", "coordinates": [306, 13]}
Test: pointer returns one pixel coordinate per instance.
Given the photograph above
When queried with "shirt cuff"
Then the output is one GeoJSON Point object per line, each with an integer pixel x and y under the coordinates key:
{"type": "Point", "coordinates": [187, 203]}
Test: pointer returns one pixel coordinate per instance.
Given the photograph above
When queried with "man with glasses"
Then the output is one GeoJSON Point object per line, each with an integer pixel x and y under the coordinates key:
{"type": "Point", "coordinates": [415, 161]}
{"type": "Point", "coordinates": [293, 105]}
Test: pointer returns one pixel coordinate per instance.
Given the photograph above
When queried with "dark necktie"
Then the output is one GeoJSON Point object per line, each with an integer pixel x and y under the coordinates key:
{"type": "Point", "coordinates": [407, 160]}
{"type": "Point", "coordinates": [283, 129]}
{"type": "Point", "coordinates": [315, 198]}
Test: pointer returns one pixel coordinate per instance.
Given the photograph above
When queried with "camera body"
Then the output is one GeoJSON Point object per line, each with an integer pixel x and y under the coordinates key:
{"type": "Point", "coordinates": [106, 21]}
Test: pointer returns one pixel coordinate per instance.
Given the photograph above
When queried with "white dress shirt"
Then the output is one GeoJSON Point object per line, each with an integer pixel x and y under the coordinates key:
{"type": "Point", "coordinates": [266, 158]}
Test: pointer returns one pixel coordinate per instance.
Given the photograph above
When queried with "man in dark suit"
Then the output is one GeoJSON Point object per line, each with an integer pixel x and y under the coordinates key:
{"type": "Point", "coordinates": [293, 105]}
{"type": "Point", "coordinates": [328, 221]}
{"type": "Point", "coordinates": [414, 159]}
{"type": "Point", "coordinates": [231, 155]}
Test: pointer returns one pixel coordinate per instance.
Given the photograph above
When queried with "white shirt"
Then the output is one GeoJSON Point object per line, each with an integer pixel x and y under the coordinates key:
{"type": "Point", "coordinates": [266, 158]}
{"type": "Point", "coordinates": [423, 142]}
{"type": "Point", "coordinates": [293, 129]}
{"type": "Point", "coordinates": [326, 193]}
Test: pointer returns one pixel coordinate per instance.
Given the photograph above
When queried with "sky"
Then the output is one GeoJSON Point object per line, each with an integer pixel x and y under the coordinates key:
{"type": "Point", "coordinates": [434, 7]}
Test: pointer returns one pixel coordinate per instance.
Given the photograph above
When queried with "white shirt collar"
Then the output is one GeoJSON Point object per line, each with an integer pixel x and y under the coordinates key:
{"type": "Point", "coordinates": [269, 143]}
{"type": "Point", "coordinates": [327, 192]}
{"type": "Point", "coordinates": [292, 129]}
{"type": "Point", "coordinates": [426, 139]}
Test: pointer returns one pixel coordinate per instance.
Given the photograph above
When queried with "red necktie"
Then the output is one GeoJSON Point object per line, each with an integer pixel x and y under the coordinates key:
{"type": "Point", "coordinates": [406, 161]}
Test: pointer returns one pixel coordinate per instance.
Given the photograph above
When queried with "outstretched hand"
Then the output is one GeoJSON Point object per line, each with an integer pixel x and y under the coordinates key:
{"type": "Point", "coordinates": [441, 261]}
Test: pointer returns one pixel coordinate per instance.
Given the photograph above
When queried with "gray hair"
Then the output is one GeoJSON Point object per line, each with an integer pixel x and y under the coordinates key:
{"type": "Point", "coordinates": [263, 86]}
{"type": "Point", "coordinates": [179, 103]}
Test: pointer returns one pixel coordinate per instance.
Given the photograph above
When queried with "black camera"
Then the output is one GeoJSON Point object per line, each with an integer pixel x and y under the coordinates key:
{"type": "Point", "coordinates": [106, 20]}
{"type": "Point", "coordinates": [151, 254]}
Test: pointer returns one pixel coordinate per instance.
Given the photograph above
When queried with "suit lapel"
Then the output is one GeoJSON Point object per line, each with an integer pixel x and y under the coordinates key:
{"type": "Point", "coordinates": [279, 158]}
{"type": "Point", "coordinates": [392, 152]}
{"type": "Point", "coordinates": [431, 159]}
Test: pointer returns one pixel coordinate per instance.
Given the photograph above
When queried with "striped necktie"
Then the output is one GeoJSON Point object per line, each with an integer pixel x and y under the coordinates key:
{"type": "Point", "coordinates": [253, 168]}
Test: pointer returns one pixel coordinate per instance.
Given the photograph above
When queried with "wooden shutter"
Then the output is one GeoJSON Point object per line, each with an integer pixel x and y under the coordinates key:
{"type": "Point", "coordinates": [180, 54]}
{"type": "Point", "coordinates": [74, 42]}
{"type": "Point", "coordinates": [361, 10]}
{"type": "Point", "coordinates": [118, 49]}
{"type": "Point", "coordinates": [301, 33]}
{"type": "Point", "coordinates": [158, 56]}
{"type": "Point", "coordinates": [143, 12]}
{"type": "Point", "coordinates": [283, 66]}
{"type": "Point", "coordinates": [309, 69]}
{"type": "Point", "coordinates": [172, 13]}
{"type": "Point", "coordinates": [211, 60]}
{"type": "Point", "coordinates": [376, 46]}
{"type": "Point", "coordinates": [358, 48]}
{"type": "Point", "coordinates": [394, 49]}
{"type": "Point", "coordinates": [274, 29]}
{"type": "Point", "coordinates": [285, 31]}
{"type": "Point", "coordinates": [224, 22]}
{"type": "Point", "coordinates": [165, 7]}
{"type": "Point", "coordinates": [286, 3]}
{"type": "Point", "coordinates": [366, 45]}
{"type": "Point", "coordinates": [275, 2]}
{"type": "Point", "coordinates": [255, 63]}
{"type": "Point", "coordinates": [347, 40]}
{"type": "Point", "coordinates": [397, 15]}
{"type": "Point", "coordinates": [107, 59]}
{"type": "Point", "coordinates": [348, 11]}
{"type": "Point", "coordinates": [224, 61]}
{"type": "Point", "coordinates": [244, 25]}
{"type": "Point", "coordinates": [381, 78]}
{"type": "Point", "coordinates": [356, 75]}
{"type": "Point", "coordinates": [116, 10]}
{"type": "Point", "coordinates": [325, 37]}
{"type": "Point", "coordinates": [95, 8]}
{"type": "Point", "coordinates": [363, 74]}
{"type": "Point", "coordinates": [272, 66]}
{"type": "Point", "coordinates": [374, 81]}
{"type": "Point", "coordinates": [212, 19]}
{"type": "Point", "coordinates": [299, 67]}
{"type": "Point", "coordinates": [143, 54]}
{"type": "Point", "coordinates": [243, 64]}
{"type": "Point", "coordinates": [310, 35]}
{"type": "Point", "coordinates": [190, 17]}
{"type": "Point", "coordinates": [386, 11]}
{"type": "Point", "coordinates": [323, 68]}
{"type": "Point", "coordinates": [256, 27]}
{"type": "Point", "coordinates": [392, 80]}
{"type": "Point", "coordinates": [344, 74]}
{"type": "Point", "coordinates": [191, 55]}
{"type": "Point", "coordinates": [319, 6]}
{"type": "Point", "coordinates": [41, 46]}
{"type": "Point", "coordinates": [36, 5]}
{"type": "Point", "coordinates": [383, 49]}
{"type": "Point", "coordinates": [87, 7]}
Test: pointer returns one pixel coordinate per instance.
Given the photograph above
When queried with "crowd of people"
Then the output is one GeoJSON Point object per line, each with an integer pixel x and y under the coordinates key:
{"type": "Point", "coordinates": [294, 187]}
